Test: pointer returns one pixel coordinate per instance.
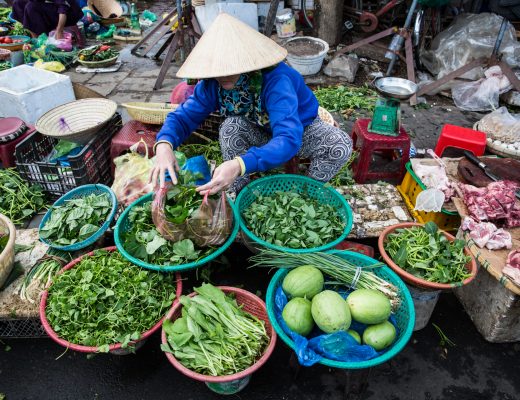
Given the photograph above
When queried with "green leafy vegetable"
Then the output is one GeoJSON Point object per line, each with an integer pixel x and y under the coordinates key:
{"type": "Point", "coordinates": [426, 253]}
{"type": "Point", "coordinates": [214, 336]}
{"type": "Point", "coordinates": [210, 150]}
{"type": "Point", "coordinates": [293, 220]}
{"type": "Point", "coordinates": [77, 219]}
{"type": "Point", "coordinates": [346, 99]}
{"type": "Point", "coordinates": [105, 300]}
{"type": "Point", "coordinates": [345, 176]}
{"type": "Point", "coordinates": [4, 239]}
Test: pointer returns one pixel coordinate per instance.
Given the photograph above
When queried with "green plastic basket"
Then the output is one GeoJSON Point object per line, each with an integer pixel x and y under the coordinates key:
{"type": "Point", "coordinates": [404, 316]}
{"type": "Point", "coordinates": [292, 183]}
{"type": "Point", "coordinates": [123, 225]}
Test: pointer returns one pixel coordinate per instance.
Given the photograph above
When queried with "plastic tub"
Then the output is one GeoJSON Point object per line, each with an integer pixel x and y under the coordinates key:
{"type": "Point", "coordinates": [424, 302]}
{"type": "Point", "coordinates": [307, 64]}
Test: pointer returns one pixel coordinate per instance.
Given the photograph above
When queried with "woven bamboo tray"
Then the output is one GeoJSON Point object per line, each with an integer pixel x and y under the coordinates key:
{"type": "Point", "coordinates": [149, 113]}
{"type": "Point", "coordinates": [83, 92]}
{"type": "Point", "coordinates": [99, 64]}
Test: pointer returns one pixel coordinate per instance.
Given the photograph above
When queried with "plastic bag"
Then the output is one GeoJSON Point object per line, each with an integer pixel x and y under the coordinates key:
{"type": "Point", "coordinates": [500, 125]}
{"type": "Point", "coordinates": [64, 44]}
{"type": "Point", "coordinates": [53, 66]}
{"type": "Point", "coordinates": [432, 174]}
{"type": "Point", "coordinates": [430, 200]}
{"type": "Point", "coordinates": [131, 175]}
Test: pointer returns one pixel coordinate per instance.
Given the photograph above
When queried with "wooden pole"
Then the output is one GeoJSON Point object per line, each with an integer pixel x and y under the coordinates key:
{"type": "Point", "coordinates": [329, 17]}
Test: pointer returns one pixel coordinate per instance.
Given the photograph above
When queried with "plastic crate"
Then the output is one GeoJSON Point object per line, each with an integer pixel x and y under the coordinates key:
{"type": "Point", "coordinates": [21, 328]}
{"type": "Point", "coordinates": [410, 188]}
{"type": "Point", "coordinates": [91, 165]}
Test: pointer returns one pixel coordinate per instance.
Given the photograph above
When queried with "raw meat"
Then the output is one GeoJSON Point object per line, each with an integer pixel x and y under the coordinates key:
{"type": "Point", "coordinates": [500, 239]}
{"type": "Point", "coordinates": [486, 234]}
{"type": "Point", "coordinates": [512, 268]}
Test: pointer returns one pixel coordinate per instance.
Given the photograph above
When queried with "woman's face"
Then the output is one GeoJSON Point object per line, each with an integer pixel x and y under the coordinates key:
{"type": "Point", "coordinates": [228, 82]}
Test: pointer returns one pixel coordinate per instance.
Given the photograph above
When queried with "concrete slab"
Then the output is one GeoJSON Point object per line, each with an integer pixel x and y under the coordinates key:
{"type": "Point", "coordinates": [125, 97]}
{"type": "Point", "coordinates": [160, 97]}
{"type": "Point", "coordinates": [77, 77]}
{"type": "Point", "coordinates": [109, 77]}
{"type": "Point", "coordinates": [136, 85]}
{"type": "Point", "coordinates": [103, 88]}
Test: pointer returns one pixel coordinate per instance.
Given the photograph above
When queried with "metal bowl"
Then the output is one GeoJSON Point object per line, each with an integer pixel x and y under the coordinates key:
{"type": "Point", "coordinates": [395, 88]}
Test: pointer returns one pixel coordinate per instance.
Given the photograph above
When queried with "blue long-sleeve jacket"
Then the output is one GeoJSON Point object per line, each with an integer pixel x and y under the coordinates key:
{"type": "Point", "coordinates": [291, 106]}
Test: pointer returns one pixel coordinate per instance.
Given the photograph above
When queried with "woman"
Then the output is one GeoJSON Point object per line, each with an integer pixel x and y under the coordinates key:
{"type": "Point", "coordinates": [271, 115]}
{"type": "Point", "coordinates": [44, 16]}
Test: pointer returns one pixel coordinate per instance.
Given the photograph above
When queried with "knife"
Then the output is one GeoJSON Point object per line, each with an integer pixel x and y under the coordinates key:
{"type": "Point", "coordinates": [470, 156]}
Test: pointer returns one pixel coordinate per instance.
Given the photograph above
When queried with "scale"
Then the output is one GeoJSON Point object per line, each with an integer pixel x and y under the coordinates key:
{"type": "Point", "coordinates": [386, 119]}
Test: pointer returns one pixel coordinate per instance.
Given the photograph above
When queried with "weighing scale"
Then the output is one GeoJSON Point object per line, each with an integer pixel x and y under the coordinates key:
{"type": "Point", "coordinates": [386, 119]}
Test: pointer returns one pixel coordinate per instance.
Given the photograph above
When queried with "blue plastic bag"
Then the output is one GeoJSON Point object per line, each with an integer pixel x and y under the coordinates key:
{"type": "Point", "coordinates": [196, 165]}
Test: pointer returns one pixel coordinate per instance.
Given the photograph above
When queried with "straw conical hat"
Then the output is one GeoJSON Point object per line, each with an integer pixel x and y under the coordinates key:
{"type": "Point", "coordinates": [106, 8]}
{"type": "Point", "coordinates": [230, 47]}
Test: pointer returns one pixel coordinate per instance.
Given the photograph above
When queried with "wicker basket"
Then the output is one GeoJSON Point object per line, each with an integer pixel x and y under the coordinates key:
{"type": "Point", "coordinates": [5, 55]}
{"type": "Point", "coordinates": [7, 255]}
{"type": "Point", "coordinates": [149, 113]}
{"type": "Point", "coordinates": [77, 121]}
{"type": "Point", "coordinates": [82, 92]}
{"type": "Point", "coordinates": [99, 64]}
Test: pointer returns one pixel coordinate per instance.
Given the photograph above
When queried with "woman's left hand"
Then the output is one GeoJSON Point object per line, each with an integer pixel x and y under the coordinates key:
{"type": "Point", "coordinates": [224, 176]}
{"type": "Point", "coordinates": [58, 35]}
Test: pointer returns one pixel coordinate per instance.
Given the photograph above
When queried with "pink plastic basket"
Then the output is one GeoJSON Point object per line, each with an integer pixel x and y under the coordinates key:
{"type": "Point", "coordinates": [251, 304]}
{"type": "Point", "coordinates": [114, 348]}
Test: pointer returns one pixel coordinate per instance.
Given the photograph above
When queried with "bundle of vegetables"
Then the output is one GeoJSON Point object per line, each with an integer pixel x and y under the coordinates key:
{"type": "Point", "coordinates": [4, 14]}
{"type": "Point", "coordinates": [346, 99]}
{"type": "Point", "coordinates": [293, 220]}
{"type": "Point", "coordinates": [210, 150]}
{"type": "Point", "coordinates": [18, 30]}
{"type": "Point", "coordinates": [77, 219]}
{"type": "Point", "coordinates": [98, 52]}
{"type": "Point", "coordinates": [214, 336]}
{"type": "Point", "coordinates": [104, 300]}
{"type": "Point", "coordinates": [4, 65]}
{"type": "Point", "coordinates": [426, 253]}
{"type": "Point", "coordinates": [9, 40]}
{"type": "Point", "coordinates": [4, 239]}
{"type": "Point", "coordinates": [18, 200]}
{"type": "Point", "coordinates": [341, 271]}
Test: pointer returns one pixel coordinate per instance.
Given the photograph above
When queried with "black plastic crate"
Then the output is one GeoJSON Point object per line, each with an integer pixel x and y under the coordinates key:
{"type": "Point", "coordinates": [21, 328]}
{"type": "Point", "coordinates": [90, 165]}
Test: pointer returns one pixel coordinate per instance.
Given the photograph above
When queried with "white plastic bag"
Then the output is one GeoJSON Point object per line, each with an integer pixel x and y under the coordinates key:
{"type": "Point", "coordinates": [430, 200]}
{"type": "Point", "coordinates": [500, 125]}
{"type": "Point", "coordinates": [64, 44]}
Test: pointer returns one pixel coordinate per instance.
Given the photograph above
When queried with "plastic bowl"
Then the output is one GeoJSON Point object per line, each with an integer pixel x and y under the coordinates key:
{"type": "Point", "coordinates": [414, 280]}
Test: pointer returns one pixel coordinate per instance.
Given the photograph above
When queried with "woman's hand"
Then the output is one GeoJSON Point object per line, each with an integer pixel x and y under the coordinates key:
{"type": "Point", "coordinates": [58, 35]}
{"type": "Point", "coordinates": [164, 161]}
{"type": "Point", "coordinates": [224, 176]}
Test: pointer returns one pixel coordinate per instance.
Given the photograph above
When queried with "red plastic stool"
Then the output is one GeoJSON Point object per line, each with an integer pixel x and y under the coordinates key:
{"type": "Point", "coordinates": [12, 131]}
{"type": "Point", "coordinates": [368, 143]}
{"type": "Point", "coordinates": [131, 133]}
{"type": "Point", "coordinates": [461, 138]}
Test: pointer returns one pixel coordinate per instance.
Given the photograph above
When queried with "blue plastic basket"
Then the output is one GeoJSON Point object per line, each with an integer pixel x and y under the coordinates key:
{"type": "Point", "coordinates": [298, 184]}
{"type": "Point", "coordinates": [123, 225]}
{"type": "Point", "coordinates": [404, 316]}
{"type": "Point", "coordinates": [79, 192]}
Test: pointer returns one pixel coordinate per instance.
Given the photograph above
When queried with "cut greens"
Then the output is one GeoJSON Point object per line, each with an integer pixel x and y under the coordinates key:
{"type": "Point", "coordinates": [214, 336]}
{"type": "Point", "coordinates": [293, 220]}
{"type": "Point", "coordinates": [426, 253]}
{"type": "Point", "coordinates": [4, 239]}
{"type": "Point", "coordinates": [104, 300]}
{"type": "Point", "coordinates": [77, 219]}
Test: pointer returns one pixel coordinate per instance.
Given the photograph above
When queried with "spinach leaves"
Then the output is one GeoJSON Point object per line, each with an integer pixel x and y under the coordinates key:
{"type": "Point", "coordinates": [105, 300]}
{"type": "Point", "coordinates": [77, 219]}
{"type": "Point", "coordinates": [293, 220]}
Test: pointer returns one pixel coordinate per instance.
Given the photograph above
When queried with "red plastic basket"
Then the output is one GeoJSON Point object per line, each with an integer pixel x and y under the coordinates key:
{"type": "Point", "coordinates": [412, 279]}
{"type": "Point", "coordinates": [114, 348]}
{"type": "Point", "coordinates": [251, 304]}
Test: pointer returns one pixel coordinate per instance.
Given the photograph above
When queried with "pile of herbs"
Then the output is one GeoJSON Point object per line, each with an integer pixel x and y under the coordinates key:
{"type": "Point", "coordinates": [345, 99]}
{"type": "Point", "coordinates": [104, 300]}
{"type": "Point", "coordinates": [214, 336]}
{"type": "Point", "coordinates": [345, 176]}
{"type": "Point", "coordinates": [293, 220]}
{"type": "Point", "coordinates": [210, 150]}
{"type": "Point", "coordinates": [77, 219]}
{"type": "Point", "coordinates": [181, 202]}
{"type": "Point", "coordinates": [426, 253]}
{"type": "Point", "coordinates": [18, 200]}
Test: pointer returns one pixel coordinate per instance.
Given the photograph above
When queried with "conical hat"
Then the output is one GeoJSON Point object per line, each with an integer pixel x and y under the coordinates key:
{"type": "Point", "coordinates": [106, 8]}
{"type": "Point", "coordinates": [230, 47]}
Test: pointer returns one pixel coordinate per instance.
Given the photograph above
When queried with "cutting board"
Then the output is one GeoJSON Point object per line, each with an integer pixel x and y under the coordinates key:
{"type": "Point", "coordinates": [504, 168]}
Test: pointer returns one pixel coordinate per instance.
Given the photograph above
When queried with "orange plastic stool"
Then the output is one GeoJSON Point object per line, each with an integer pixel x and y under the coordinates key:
{"type": "Point", "coordinates": [461, 138]}
{"type": "Point", "coordinates": [368, 143]}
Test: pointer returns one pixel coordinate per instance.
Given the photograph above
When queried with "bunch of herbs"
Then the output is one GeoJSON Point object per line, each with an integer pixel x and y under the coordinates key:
{"type": "Point", "coordinates": [181, 202]}
{"type": "Point", "coordinates": [77, 219]}
{"type": "Point", "coordinates": [345, 99]}
{"type": "Point", "coordinates": [345, 176]}
{"type": "Point", "coordinates": [105, 300]}
{"type": "Point", "coordinates": [293, 220]}
{"type": "Point", "coordinates": [426, 253]}
{"type": "Point", "coordinates": [214, 336]}
{"type": "Point", "coordinates": [210, 150]}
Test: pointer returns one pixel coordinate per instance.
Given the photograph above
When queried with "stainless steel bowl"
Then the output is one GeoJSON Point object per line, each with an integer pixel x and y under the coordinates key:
{"type": "Point", "coordinates": [395, 88]}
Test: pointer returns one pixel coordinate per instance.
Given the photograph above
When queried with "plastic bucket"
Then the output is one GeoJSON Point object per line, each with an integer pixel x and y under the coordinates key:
{"type": "Point", "coordinates": [231, 387]}
{"type": "Point", "coordinates": [424, 302]}
{"type": "Point", "coordinates": [307, 64]}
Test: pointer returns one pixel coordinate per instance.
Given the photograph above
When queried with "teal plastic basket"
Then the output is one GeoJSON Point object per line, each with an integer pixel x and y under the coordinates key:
{"type": "Point", "coordinates": [292, 183]}
{"type": "Point", "coordinates": [123, 225]}
{"type": "Point", "coordinates": [82, 191]}
{"type": "Point", "coordinates": [404, 316]}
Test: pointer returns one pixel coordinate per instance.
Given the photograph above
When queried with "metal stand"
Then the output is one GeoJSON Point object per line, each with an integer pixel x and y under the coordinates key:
{"type": "Point", "coordinates": [494, 59]}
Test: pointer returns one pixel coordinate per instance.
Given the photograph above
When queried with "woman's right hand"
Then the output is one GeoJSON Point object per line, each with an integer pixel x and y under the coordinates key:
{"type": "Point", "coordinates": [164, 161]}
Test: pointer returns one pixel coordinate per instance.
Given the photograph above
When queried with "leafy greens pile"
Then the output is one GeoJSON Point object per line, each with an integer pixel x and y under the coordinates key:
{"type": "Point", "coordinates": [77, 219]}
{"type": "Point", "coordinates": [105, 300]}
{"type": "Point", "coordinates": [293, 220]}
{"type": "Point", "coordinates": [426, 253]}
{"type": "Point", "coordinates": [4, 239]}
{"type": "Point", "coordinates": [346, 99]}
{"type": "Point", "coordinates": [214, 336]}
{"type": "Point", "coordinates": [18, 200]}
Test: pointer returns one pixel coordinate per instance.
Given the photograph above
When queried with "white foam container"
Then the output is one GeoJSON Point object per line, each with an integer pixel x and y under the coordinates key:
{"type": "Point", "coordinates": [28, 93]}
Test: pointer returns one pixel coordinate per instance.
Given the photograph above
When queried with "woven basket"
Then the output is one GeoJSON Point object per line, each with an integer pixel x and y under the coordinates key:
{"type": "Point", "coordinates": [77, 193]}
{"type": "Point", "coordinates": [120, 21]}
{"type": "Point", "coordinates": [83, 92]}
{"type": "Point", "coordinates": [414, 280]}
{"type": "Point", "coordinates": [123, 225]}
{"type": "Point", "coordinates": [83, 119]}
{"type": "Point", "coordinates": [7, 255]}
{"type": "Point", "coordinates": [114, 348]}
{"type": "Point", "coordinates": [251, 304]}
{"type": "Point", "coordinates": [291, 183]}
{"type": "Point", "coordinates": [99, 64]}
{"type": "Point", "coordinates": [5, 55]}
{"type": "Point", "coordinates": [15, 46]}
{"type": "Point", "coordinates": [404, 315]}
{"type": "Point", "coordinates": [149, 113]}
{"type": "Point", "coordinates": [105, 8]}
{"type": "Point", "coordinates": [503, 150]}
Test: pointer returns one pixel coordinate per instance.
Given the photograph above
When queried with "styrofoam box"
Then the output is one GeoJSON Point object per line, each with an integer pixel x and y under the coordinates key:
{"type": "Point", "coordinates": [28, 93]}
